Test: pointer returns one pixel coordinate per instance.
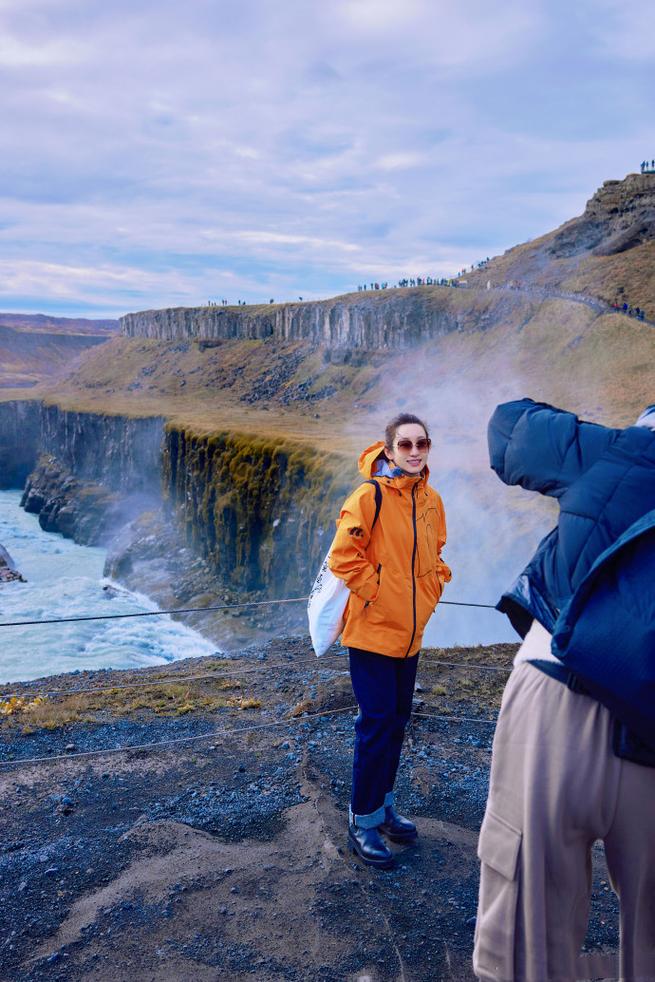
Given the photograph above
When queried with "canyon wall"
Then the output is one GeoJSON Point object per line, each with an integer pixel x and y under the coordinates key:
{"type": "Point", "coordinates": [120, 452]}
{"type": "Point", "coordinates": [93, 472]}
{"type": "Point", "coordinates": [19, 441]}
{"type": "Point", "coordinates": [257, 511]}
{"type": "Point", "coordinates": [260, 511]}
{"type": "Point", "coordinates": [378, 321]}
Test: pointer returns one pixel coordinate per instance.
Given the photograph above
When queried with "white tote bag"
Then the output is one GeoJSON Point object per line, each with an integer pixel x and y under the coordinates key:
{"type": "Point", "coordinates": [328, 598]}
{"type": "Point", "coordinates": [326, 607]}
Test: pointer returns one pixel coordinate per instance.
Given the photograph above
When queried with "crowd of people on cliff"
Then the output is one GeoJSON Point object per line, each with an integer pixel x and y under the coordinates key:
{"type": "Point", "coordinates": [622, 307]}
{"type": "Point", "coordinates": [626, 308]}
{"type": "Point", "coordinates": [408, 281]}
{"type": "Point", "coordinates": [648, 167]}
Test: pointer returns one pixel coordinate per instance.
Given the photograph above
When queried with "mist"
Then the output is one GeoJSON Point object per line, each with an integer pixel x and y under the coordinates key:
{"type": "Point", "coordinates": [493, 529]}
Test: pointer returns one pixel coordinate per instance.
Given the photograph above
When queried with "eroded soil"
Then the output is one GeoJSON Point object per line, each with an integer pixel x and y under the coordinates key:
{"type": "Point", "coordinates": [223, 856]}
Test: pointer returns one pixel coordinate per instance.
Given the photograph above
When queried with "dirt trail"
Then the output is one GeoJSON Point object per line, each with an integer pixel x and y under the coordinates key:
{"type": "Point", "coordinates": [225, 858]}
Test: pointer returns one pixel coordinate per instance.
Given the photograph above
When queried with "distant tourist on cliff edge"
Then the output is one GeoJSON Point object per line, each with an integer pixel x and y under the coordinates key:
{"type": "Point", "coordinates": [574, 750]}
{"type": "Point", "coordinates": [395, 574]}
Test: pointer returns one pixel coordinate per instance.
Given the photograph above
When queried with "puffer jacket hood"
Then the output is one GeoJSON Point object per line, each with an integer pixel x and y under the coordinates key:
{"type": "Point", "coordinates": [392, 566]}
{"type": "Point", "coordinates": [603, 480]}
{"type": "Point", "coordinates": [368, 460]}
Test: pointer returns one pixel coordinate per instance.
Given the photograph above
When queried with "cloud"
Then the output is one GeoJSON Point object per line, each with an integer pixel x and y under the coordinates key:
{"type": "Point", "coordinates": [301, 147]}
{"type": "Point", "coordinates": [624, 31]}
{"type": "Point", "coordinates": [19, 55]}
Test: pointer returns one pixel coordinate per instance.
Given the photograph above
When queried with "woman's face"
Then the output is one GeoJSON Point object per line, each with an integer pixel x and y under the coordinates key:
{"type": "Point", "coordinates": [405, 453]}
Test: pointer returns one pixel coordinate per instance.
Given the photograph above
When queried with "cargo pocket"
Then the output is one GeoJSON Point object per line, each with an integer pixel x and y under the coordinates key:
{"type": "Point", "coordinates": [499, 850]}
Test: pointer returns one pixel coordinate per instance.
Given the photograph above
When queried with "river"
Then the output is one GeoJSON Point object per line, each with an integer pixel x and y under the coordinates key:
{"type": "Point", "coordinates": [65, 580]}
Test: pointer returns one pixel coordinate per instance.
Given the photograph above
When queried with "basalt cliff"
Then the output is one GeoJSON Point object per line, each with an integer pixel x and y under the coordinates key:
{"type": "Point", "coordinates": [210, 447]}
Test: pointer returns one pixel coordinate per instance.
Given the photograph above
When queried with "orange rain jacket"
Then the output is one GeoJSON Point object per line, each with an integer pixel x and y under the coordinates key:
{"type": "Point", "coordinates": [395, 575]}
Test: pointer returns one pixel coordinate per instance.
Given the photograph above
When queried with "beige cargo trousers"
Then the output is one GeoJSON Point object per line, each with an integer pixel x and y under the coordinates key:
{"type": "Point", "coordinates": [556, 787]}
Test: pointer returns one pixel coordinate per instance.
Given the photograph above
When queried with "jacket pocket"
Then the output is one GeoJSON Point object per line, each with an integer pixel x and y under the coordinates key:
{"type": "Point", "coordinates": [499, 851]}
{"type": "Point", "coordinates": [388, 608]}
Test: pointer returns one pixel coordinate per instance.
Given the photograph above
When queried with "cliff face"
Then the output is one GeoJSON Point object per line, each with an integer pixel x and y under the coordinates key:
{"type": "Point", "coordinates": [198, 322]}
{"type": "Point", "coordinates": [260, 511]}
{"type": "Point", "coordinates": [19, 441]}
{"type": "Point", "coordinates": [93, 472]}
{"type": "Point", "coordinates": [392, 319]}
{"type": "Point", "coordinates": [119, 452]}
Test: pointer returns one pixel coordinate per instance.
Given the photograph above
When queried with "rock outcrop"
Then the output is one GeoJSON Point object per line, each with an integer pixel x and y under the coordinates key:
{"type": "Point", "coordinates": [619, 216]}
{"type": "Point", "coordinates": [8, 571]}
{"type": "Point", "coordinates": [86, 511]}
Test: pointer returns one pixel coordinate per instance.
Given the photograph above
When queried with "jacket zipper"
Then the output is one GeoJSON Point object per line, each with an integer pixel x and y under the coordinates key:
{"type": "Point", "coordinates": [411, 641]}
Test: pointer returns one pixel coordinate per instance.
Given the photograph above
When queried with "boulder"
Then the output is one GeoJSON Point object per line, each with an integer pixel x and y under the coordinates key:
{"type": "Point", "coordinates": [8, 571]}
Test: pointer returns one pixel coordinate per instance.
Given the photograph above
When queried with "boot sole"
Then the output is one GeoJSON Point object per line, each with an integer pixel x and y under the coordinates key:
{"type": "Point", "coordinates": [377, 863]}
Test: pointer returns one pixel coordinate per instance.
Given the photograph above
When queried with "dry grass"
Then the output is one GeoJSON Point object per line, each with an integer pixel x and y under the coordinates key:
{"type": "Point", "coordinates": [169, 699]}
{"type": "Point", "coordinates": [449, 689]}
{"type": "Point", "coordinates": [625, 276]}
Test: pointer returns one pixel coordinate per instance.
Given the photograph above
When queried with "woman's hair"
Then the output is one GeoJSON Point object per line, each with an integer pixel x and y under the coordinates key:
{"type": "Point", "coordinates": [392, 427]}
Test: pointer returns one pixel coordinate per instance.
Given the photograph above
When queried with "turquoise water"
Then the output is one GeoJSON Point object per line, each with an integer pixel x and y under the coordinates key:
{"type": "Point", "coordinates": [65, 580]}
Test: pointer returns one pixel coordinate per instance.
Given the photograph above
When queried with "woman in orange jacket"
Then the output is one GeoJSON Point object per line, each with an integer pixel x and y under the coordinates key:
{"type": "Point", "coordinates": [388, 550]}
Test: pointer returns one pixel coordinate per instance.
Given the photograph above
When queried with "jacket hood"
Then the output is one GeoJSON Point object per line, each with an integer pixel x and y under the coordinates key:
{"type": "Point", "coordinates": [367, 463]}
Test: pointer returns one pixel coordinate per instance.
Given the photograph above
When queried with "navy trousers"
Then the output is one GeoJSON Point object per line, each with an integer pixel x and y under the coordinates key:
{"type": "Point", "coordinates": [384, 688]}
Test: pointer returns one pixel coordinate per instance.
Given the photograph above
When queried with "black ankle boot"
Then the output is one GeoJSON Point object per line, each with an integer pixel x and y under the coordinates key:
{"type": "Point", "coordinates": [367, 844]}
{"type": "Point", "coordinates": [397, 828]}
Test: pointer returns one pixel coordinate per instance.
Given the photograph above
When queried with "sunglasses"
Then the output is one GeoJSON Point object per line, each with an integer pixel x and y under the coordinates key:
{"type": "Point", "coordinates": [421, 445]}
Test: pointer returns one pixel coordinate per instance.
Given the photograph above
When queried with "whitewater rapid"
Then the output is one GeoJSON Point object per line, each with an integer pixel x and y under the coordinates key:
{"type": "Point", "coordinates": [65, 580]}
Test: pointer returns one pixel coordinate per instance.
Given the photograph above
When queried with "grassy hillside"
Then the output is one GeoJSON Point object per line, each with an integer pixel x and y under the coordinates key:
{"type": "Point", "coordinates": [607, 252]}
{"type": "Point", "coordinates": [29, 356]}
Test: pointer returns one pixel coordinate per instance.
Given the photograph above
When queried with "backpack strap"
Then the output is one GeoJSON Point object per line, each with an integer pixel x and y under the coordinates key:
{"type": "Point", "coordinates": [378, 501]}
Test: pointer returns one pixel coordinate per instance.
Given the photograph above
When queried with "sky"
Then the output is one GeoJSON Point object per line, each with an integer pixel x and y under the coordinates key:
{"type": "Point", "coordinates": [157, 154]}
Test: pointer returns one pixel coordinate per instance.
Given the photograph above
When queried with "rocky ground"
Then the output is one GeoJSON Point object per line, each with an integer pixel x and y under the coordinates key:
{"type": "Point", "coordinates": [223, 855]}
{"type": "Point", "coordinates": [8, 571]}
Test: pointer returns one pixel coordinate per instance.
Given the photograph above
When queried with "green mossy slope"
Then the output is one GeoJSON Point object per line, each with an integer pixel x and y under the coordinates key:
{"type": "Point", "coordinates": [260, 510]}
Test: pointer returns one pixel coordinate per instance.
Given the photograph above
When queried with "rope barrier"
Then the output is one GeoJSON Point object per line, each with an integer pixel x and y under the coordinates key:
{"type": "Point", "coordinates": [176, 740]}
{"type": "Point", "coordinates": [150, 613]}
{"type": "Point", "coordinates": [215, 676]}
{"type": "Point", "coordinates": [464, 664]}
{"type": "Point", "coordinates": [216, 734]}
{"type": "Point", "coordinates": [462, 603]}
{"type": "Point", "coordinates": [192, 610]}
{"type": "Point", "coordinates": [456, 719]}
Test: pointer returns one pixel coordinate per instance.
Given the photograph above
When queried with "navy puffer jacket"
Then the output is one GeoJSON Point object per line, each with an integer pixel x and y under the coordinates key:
{"type": "Point", "coordinates": [604, 480]}
{"type": "Point", "coordinates": [606, 635]}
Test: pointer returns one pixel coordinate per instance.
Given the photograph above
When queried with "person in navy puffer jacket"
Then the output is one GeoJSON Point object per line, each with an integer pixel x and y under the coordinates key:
{"type": "Point", "coordinates": [574, 749]}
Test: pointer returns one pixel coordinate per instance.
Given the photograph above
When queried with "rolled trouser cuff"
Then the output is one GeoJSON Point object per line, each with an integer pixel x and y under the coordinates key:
{"type": "Point", "coordinates": [367, 821]}
{"type": "Point", "coordinates": [388, 799]}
